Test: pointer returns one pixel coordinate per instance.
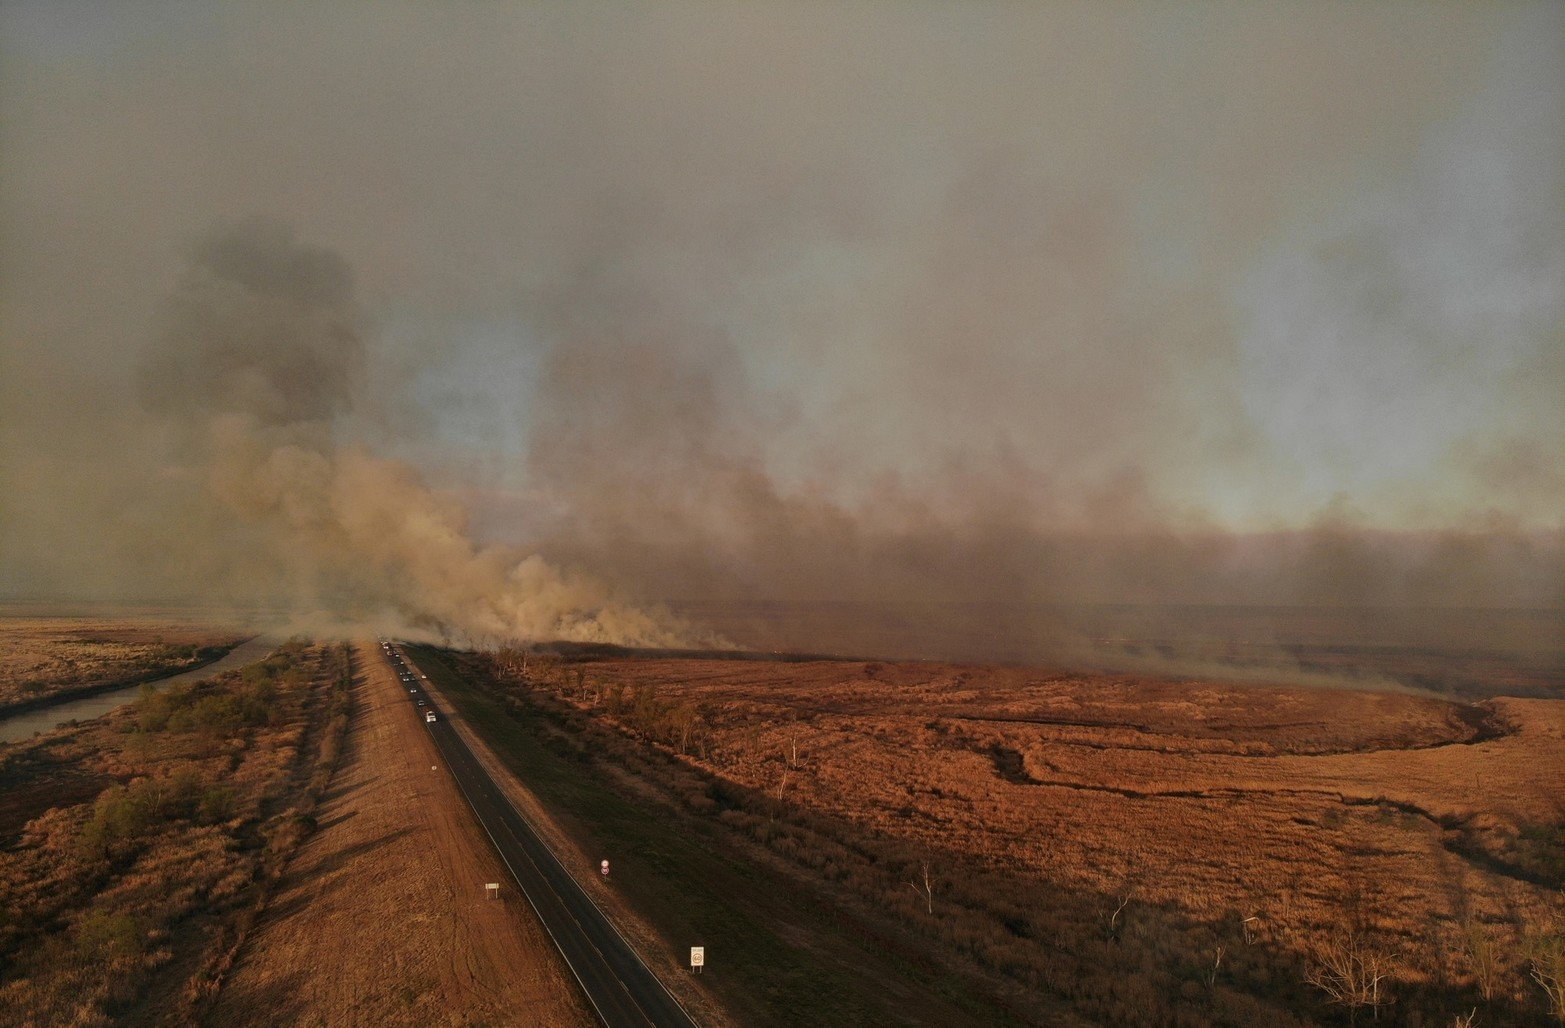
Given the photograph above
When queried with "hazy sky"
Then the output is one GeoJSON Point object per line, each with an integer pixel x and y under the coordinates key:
{"type": "Point", "coordinates": [1179, 267]}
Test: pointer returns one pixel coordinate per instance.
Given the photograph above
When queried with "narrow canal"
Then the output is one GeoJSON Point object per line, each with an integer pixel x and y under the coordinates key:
{"type": "Point", "coordinates": [24, 725]}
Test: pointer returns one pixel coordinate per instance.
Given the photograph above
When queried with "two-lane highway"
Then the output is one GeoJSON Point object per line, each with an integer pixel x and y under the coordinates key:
{"type": "Point", "coordinates": [615, 980]}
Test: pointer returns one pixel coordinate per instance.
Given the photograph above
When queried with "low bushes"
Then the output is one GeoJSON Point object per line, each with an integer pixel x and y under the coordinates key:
{"type": "Point", "coordinates": [213, 789]}
{"type": "Point", "coordinates": [125, 816]}
{"type": "Point", "coordinates": [211, 707]}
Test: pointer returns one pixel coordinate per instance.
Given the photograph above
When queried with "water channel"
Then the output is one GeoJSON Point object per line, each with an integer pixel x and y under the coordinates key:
{"type": "Point", "coordinates": [24, 725]}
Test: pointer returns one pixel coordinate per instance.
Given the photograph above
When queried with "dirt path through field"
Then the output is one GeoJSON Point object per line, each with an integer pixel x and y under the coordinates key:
{"type": "Point", "coordinates": [382, 917]}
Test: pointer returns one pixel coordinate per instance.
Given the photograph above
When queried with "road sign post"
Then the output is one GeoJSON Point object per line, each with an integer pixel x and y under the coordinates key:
{"type": "Point", "coordinates": [697, 958]}
{"type": "Point", "coordinates": [603, 869]}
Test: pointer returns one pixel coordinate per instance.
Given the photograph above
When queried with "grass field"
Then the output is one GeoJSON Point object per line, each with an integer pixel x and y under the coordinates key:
{"type": "Point", "coordinates": [1112, 848]}
{"type": "Point", "coordinates": [44, 658]}
{"type": "Point", "coordinates": [778, 952]}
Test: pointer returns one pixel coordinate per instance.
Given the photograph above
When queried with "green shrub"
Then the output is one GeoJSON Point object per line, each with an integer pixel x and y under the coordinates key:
{"type": "Point", "coordinates": [126, 815]}
{"type": "Point", "coordinates": [246, 701]}
{"type": "Point", "coordinates": [101, 935]}
{"type": "Point", "coordinates": [218, 803]}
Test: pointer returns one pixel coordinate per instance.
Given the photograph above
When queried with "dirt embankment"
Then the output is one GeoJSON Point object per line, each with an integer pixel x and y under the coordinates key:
{"type": "Point", "coordinates": [382, 916]}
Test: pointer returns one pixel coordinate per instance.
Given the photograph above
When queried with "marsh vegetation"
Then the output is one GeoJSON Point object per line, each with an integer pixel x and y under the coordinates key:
{"type": "Point", "coordinates": [139, 847]}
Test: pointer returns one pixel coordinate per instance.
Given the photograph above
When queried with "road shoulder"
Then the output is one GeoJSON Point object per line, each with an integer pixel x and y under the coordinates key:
{"type": "Point", "coordinates": [583, 867]}
{"type": "Point", "coordinates": [382, 916]}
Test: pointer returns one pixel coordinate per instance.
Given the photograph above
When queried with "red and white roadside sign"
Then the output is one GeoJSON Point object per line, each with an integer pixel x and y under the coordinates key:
{"type": "Point", "coordinates": [697, 957]}
{"type": "Point", "coordinates": [603, 868]}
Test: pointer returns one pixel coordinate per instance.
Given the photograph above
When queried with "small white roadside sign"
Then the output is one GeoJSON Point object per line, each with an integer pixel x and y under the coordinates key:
{"type": "Point", "coordinates": [697, 957]}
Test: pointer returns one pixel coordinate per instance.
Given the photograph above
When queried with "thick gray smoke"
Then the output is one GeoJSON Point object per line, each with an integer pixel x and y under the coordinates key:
{"type": "Point", "coordinates": [1017, 308]}
{"type": "Point", "coordinates": [258, 354]}
{"type": "Point", "coordinates": [660, 458]}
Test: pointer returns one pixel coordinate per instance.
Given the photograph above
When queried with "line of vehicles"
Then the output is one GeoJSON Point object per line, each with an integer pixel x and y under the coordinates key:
{"type": "Point", "coordinates": [410, 679]}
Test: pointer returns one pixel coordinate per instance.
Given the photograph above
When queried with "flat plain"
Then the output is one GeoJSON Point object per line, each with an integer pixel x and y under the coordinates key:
{"type": "Point", "coordinates": [886, 842]}
{"type": "Point", "coordinates": [1124, 848]}
{"type": "Point", "coordinates": [47, 657]}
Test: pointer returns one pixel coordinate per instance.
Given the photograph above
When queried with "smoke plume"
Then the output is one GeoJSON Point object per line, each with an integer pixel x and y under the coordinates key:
{"type": "Point", "coordinates": [257, 358]}
{"type": "Point", "coordinates": [992, 330]}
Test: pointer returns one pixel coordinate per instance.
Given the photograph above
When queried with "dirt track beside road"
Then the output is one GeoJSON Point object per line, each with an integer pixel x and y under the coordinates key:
{"type": "Point", "coordinates": [382, 916]}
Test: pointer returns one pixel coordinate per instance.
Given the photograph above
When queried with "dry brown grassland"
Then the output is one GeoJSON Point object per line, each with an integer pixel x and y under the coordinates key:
{"type": "Point", "coordinates": [1140, 851]}
{"type": "Point", "coordinates": [47, 658]}
{"type": "Point", "coordinates": [136, 849]}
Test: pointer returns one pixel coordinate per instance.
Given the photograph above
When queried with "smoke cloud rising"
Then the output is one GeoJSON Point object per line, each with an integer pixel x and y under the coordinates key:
{"type": "Point", "coordinates": [834, 316]}
{"type": "Point", "coordinates": [257, 357]}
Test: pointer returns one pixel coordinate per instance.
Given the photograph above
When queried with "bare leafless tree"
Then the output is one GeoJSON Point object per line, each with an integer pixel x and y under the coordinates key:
{"type": "Point", "coordinates": [1546, 964]}
{"type": "Point", "coordinates": [1350, 973]}
{"type": "Point", "coordinates": [1114, 918]}
{"type": "Point", "coordinates": [1483, 956]}
{"type": "Point", "coordinates": [928, 890]}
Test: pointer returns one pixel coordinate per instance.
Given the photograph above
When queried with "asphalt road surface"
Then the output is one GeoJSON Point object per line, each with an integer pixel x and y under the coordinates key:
{"type": "Point", "coordinates": [617, 984]}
